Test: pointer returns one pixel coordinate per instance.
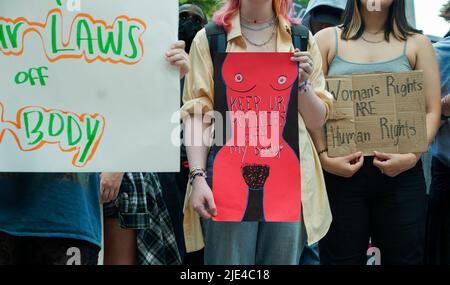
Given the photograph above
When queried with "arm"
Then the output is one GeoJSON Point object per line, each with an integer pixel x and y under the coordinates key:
{"type": "Point", "coordinates": [342, 166]}
{"type": "Point", "coordinates": [198, 97]}
{"type": "Point", "coordinates": [197, 152]}
{"type": "Point", "coordinates": [394, 164]}
{"type": "Point", "coordinates": [426, 61]}
{"type": "Point", "coordinates": [311, 107]}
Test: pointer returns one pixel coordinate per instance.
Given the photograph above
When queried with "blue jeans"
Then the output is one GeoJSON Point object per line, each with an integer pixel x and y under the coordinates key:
{"type": "Point", "coordinates": [253, 243]}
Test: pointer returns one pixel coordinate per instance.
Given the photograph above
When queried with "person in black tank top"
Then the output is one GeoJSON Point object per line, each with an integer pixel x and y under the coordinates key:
{"type": "Point", "coordinates": [381, 198]}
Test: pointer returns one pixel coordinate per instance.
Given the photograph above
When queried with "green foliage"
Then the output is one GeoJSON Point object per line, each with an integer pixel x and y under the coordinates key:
{"type": "Point", "coordinates": [304, 3]}
{"type": "Point", "coordinates": [210, 6]}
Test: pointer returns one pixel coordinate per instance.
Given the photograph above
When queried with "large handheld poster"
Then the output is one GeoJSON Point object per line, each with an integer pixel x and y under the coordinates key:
{"type": "Point", "coordinates": [256, 173]}
{"type": "Point", "coordinates": [84, 85]}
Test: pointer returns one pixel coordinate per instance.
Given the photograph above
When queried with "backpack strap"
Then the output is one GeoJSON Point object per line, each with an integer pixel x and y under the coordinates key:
{"type": "Point", "coordinates": [217, 39]}
{"type": "Point", "coordinates": [300, 37]}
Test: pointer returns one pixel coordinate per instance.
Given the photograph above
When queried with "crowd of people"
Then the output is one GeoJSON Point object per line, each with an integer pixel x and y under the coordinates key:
{"type": "Point", "coordinates": [347, 202]}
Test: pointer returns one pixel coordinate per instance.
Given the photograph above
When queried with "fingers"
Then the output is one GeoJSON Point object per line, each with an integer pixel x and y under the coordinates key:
{"type": "Point", "coordinates": [302, 59]}
{"type": "Point", "coordinates": [354, 156]}
{"type": "Point", "coordinates": [355, 167]}
{"type": "Point", "coordinates": [381, 164]}
{"type": "Point", "coordinates": [176, 56]}
{"type": "Point", "coordinates": [109, 192]}
{"type": "Point", "coordinates": [113, 194]}
{"type": "Point", "coordinates": [173, 52]}
{"type": "Point", "coordinates": [199, 207]}
{"type": "Point", "coordinates": [180, 60]}
{"type": "Point", "coordinates": [175, 59]}
{"type": "Point", "coordinates": [382, 156]}
{"type": "Point", "coordinates": [297, 53]}
{"type": "Point", "coordinates": [105, 194]}
{"type": "Point", "coordinates": [306, 68]}
{"type": "Point", "coordinates": [212, 210]}
{"type": "Point", "coordinates": [181, 63]}
{"type": "Point", "coordinates": [108, 195]}
{"type": "Point", "coordinates": [301, 55]}
{"type": "Point", "coordinates": [178, 45]}
{"type": "Point", "coordinates": [201, 197]}
{"type": "Point", "coordinates": [306, 64]}
{"type": "Point", "coordinates": [102, 194]}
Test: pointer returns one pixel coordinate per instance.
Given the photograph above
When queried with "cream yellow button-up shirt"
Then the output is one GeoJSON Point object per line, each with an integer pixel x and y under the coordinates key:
{"type": "Point", "coordinates": [199, 90]}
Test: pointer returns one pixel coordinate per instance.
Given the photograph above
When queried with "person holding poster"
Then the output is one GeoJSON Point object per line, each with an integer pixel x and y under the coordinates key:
{"type": "Point", "coordinates": [382, 197]}
{"type": "Point", "coordinates": [81, 94]}
{"type": "Point", "coordinates": [260, 40]}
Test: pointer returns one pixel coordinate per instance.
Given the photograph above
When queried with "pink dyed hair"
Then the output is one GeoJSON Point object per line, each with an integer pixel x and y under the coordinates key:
{"type": "Point", "coordinates": [223, 16]}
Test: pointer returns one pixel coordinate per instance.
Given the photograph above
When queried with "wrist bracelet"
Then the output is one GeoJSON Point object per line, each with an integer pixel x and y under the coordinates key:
{"type": "Point", "coordinates": [193, 170]}
{"type": "Point", "coordinates": [302, 87]}
{"type": "Point", "coordinates": [196, 172]}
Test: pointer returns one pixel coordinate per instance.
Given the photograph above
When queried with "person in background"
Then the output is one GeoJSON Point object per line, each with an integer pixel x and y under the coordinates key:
{"type": "Point", "coordinates": [191, 20]}
{"type": "Point", "coordinates": [383, 196]}
{"type": "Point", "coordinates": [49, 219]}
{"type": "Point", "coordinates": [321, 14]}
{"type": "Point", "coordinates": [438, 235]}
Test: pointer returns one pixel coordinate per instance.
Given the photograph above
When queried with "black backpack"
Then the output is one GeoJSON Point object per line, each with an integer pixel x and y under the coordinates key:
{"type": "Point", "coordinates": [217, 38]}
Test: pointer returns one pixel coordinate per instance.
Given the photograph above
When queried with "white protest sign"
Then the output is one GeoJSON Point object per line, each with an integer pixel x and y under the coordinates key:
{"type": "Point", "coordinates": [85, 87]}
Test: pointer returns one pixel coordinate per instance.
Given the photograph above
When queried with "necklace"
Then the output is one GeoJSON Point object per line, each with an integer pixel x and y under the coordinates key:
{"type": "Point", "coordinates": [259, 28]}
{"type": "Point", "coordinates": [264, 43]}
{"type": "Point", "coordinates": [376, 33]}
{"type": "Point", "coordinates": [271, 19]}
{"type": "Point", "coordinates": [372, 42]}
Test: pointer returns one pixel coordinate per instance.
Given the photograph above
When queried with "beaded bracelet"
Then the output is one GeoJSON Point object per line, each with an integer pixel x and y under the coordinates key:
{"type": "Point", "coordinates": [198, 172]}
{"type": "Point", "coordinates": [303, 87]}
{"type": "Point", "coordinates": [196, 169]}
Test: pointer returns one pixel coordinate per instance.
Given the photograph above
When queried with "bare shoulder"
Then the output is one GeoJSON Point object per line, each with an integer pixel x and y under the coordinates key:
{"type": "Point", "coordinates": [326, 33]}
{"type": "Point", "coordinates": [421, 52]}
{"type": "Point", "coordinates": [323, 37]}
{"type": "Point", "coordinates": [420, 42]}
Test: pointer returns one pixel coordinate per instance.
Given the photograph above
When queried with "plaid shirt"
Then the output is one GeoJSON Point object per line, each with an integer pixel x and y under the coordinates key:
{"type": "Point", "coordinates": [141, 207]}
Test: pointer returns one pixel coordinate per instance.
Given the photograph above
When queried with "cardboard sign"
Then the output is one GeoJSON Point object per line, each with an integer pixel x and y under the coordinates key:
{"type": "Point", "coordinates": [256, 174]}
{"type": "Point", "coordinates": [85, 86]}
{"type": "Point", "coordinates": [383, 112]}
